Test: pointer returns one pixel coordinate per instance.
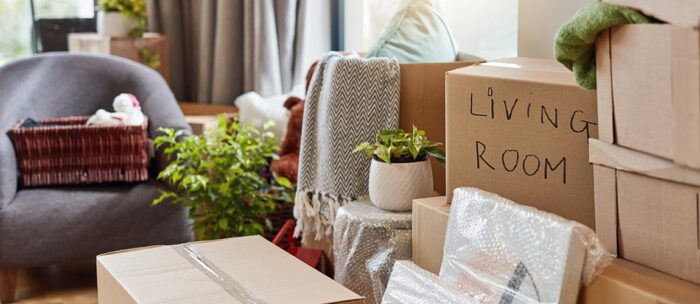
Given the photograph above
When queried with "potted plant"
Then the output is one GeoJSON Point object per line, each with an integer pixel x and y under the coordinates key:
{"type": "Point", "coordinates": [220, 176]}
{"type": "Point", "coordinates": [121, 18]}
{"type": "Point", "coordinates": [400, 169]}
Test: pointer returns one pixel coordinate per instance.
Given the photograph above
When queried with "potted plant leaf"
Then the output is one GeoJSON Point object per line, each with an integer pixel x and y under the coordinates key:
{"type": "Point", "coordinates": [400, 169]}
{"type": "Point", "coordinates": [220, 176]}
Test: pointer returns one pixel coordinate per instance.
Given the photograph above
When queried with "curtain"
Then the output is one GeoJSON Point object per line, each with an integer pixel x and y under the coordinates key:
{"type": "Point", "coordinates": [220, 49]}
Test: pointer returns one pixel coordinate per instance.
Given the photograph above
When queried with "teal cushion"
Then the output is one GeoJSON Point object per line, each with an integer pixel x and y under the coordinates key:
{"type": "Point", "coordinates": [417, 33]}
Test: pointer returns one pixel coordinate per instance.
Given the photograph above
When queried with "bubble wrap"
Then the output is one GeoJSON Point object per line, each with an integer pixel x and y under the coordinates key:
{"type": "Point", "coordinates": [412, 284]}
{"type": "Point", "coordinates": [497, 251]}
{"type": "Point", "coordinates": [366, 242]}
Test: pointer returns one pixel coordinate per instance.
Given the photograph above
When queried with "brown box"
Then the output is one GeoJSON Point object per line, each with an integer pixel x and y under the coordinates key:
{"type": "Point", "coordinates": [94, 43]}
{"type": "Point", "coordinates": [647, 209]}
{"type": "Point", "coordinates": [251, 268]}
{"type": "Point", "coordinates": [620, 282]}
{"type": "Point", "coordinates": [648, 78]}
{"type": "Point", "coordinates": [428, 235]}
{"type": "Point", "coordinates": [200, 123]}
{"type": "Point", "coordinates": [423, 104]}
{"type": "Point", "coordinates": [627, 282]}
{"type": "Point", "coordinates": [519, 128]}
{"type": "Point", "coordinates": [677, 12]}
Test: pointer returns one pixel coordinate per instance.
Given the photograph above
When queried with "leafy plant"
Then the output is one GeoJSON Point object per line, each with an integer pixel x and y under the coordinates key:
{"type": "Point", "coordinates": [218, 176]}
{"type": "Point", "coordinates": [395, 145]}
{"type": "Point", "coordinates": [135, 10]}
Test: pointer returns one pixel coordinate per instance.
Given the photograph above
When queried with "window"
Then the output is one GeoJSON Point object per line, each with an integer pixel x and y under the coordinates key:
{"type": "Point", "coordinates": [16, 24]}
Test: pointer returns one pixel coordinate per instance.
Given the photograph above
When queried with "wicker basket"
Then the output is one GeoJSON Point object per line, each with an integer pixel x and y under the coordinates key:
{"type": "Point", "coordinates": [64, 151]}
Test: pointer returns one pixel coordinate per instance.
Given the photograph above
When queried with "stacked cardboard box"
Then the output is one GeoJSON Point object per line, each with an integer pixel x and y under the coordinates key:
{"type": "Point", "coordinates": [236, 270]}
{"type": "Point", "coordinates": [647, 158]}
{"type": "Point", "coordinates": [519, 128]}
{"type": "Point", "coordinates": [621, 282]}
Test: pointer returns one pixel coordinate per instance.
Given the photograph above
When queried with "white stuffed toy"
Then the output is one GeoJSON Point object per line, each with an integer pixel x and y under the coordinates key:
{"type": "Point", "coordinates": [256, 110]}
{"type": "Point", "coordinates": [128, 112]}
{"type": "Point", "coordinates": [104, 118]}
{"type": "Point", "coordinates": [129, 105]}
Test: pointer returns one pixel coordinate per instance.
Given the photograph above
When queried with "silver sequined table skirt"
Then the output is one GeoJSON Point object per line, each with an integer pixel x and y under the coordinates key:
{"type": "Point", "coordinates": [366, 243]}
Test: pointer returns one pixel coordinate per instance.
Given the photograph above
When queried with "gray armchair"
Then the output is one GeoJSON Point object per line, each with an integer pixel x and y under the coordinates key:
{"type": "Point", "coordinates": [42, 226]}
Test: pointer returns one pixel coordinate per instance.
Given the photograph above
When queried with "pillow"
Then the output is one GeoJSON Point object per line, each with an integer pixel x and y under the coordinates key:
{"type": "Point", "coordinates": [417, 33]}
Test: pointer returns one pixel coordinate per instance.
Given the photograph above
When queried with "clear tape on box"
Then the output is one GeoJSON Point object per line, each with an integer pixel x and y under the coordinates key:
{"type": "Point", "coordinates": [366, 243]}
{"type": "Point", "coordinates": [411, 284]}
{"type": "Point", "coordinates": [497, 251]}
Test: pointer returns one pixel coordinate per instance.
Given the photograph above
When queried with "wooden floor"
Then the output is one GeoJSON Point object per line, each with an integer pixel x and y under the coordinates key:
{"type": "Point", "coordinates": [74, 283]}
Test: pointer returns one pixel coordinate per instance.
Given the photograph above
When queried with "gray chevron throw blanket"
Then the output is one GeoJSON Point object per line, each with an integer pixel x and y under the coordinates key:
{"type": "Point", "coordinates": [350, 99]}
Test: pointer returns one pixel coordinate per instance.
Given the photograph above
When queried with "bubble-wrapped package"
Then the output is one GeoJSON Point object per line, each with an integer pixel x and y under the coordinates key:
{"type": "Point", "coordinates": [366, 242]}
{"type": "Point", "coordinates": [497, 251]}
{"type": "Point", "coordinates": [411, 284]}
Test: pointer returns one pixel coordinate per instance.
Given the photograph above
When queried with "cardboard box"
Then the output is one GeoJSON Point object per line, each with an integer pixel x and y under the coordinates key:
{"type": "Point", "coordinates": [428, 236]}
{"type": "Point", "coordinates": [200, 123]}
{"type": "Point", "coordinates": [627, 282]}
{"type": "Point", "coordinates": [620, 282]}
{"type": "Point", "coordinates": [93, 43]}
{"type": "Point", "coordinates": [648, 78]}
{"type": "Point", "coordinates": [648, 209]}
{"type": "Point", "coordinates": [519, 128]}
{"type": "Point", "coordinates": [678, 12]}
{"type": "Point", "coordinates": [222, 271]}
{"type": "Point", "coordinates": [422, 104]}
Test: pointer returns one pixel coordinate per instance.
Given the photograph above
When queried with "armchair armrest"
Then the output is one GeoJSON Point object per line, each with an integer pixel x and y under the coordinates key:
{"type": "Point", "coordinates": [8, 171]}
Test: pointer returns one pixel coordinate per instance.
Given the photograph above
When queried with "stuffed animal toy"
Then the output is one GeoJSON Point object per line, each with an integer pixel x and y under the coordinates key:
{"type": "Point", "coordinates": [128, 112]}
{"type": "Point", "coordinates": [129, 105]}
{"type": "Point", "coordinates": [256, 110]}
{"type": "Point", "coordinates": [104, 118]}
{"type": "Point", "coordinates": [288, 163]}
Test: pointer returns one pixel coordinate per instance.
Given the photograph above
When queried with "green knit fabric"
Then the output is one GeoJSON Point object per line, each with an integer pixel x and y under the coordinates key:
{"type": "Point", "coordinates": [574, 45]}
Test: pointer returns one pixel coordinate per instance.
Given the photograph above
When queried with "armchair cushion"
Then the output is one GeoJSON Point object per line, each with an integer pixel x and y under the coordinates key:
{"type": "Point", "coordinates": [52, 225]}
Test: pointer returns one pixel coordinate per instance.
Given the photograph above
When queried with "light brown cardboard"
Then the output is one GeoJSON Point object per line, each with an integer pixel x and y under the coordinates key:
{"type": "Point", "coordinates": [621, 282]}
{"type": "Point", "coordinates": [124, 47]}
{"type": "Point", "coordinates": [678, 12]}
{"type": "Point", "coordinates": [649, 90]}
{"type": "Point", "coordinates": [200, 123]}
{"type": "Point", "coordinates": [422, 104]}
{"type": "Point", "coordinates": [626, 282]}
{"type": "Point", "coordinates": [561, 118]}
{"type": "Point", "coordinates": [605, 193]}
{"type": "Point", "coordinates": [651, 220]}
{"type": "Point", "coordinates": [617, 157]}
{"type": "Point", "coordinates": [161, 275]}
{"type": "Point", "coordinates": [428, 235]}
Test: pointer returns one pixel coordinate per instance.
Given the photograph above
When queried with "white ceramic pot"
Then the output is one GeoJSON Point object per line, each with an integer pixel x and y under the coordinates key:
{"type": "Point", "coordinates": [394, 186]}
{"type": "Point", "coordinates": [114, 24]}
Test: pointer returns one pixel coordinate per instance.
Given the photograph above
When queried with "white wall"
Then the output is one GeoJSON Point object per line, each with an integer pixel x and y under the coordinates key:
{"type": "Point", "coordinates": [538, 22]}
{"type": "Point", "coordinates": [488, 28]}
{"type": "Point", "coordinates": [317, 31]}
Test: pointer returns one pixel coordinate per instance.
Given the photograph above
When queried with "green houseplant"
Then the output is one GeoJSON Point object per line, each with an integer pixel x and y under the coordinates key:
{"type": "Point", "coordinates": [400, 171]}
{"type": "Point", "coordinates": [218, 176]}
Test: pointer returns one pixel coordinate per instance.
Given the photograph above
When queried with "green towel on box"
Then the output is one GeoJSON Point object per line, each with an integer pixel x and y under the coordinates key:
{"type": "Point", "coordinates": [574, 45]}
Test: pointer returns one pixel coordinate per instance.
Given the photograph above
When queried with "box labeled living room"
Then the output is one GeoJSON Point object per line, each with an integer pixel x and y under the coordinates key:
{"type": "Point", "coordinates": [365, 151]}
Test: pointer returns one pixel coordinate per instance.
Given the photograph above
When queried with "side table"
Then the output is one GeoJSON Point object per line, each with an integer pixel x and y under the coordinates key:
{"type": "Point", "coordinates": [366, 243]}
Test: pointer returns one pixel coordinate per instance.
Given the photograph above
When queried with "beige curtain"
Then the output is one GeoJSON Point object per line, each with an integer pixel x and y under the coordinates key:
{"type": "Point", "coordinates": [220, 49]}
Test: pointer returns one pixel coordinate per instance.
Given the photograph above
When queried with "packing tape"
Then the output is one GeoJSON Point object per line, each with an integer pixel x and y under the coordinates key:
{"type": "Point", "coordinates": [231, 286]}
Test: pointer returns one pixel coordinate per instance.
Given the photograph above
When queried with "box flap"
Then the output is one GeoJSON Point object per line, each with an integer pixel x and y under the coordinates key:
{"type": "Point", "coordinates": [617, 157]}
{"type": "Point", "coordinates": [521, 69]}
{"type": "Point", "coordinates": [678, 12]}
{"type": "Point", "coordinates": [627, 282]}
